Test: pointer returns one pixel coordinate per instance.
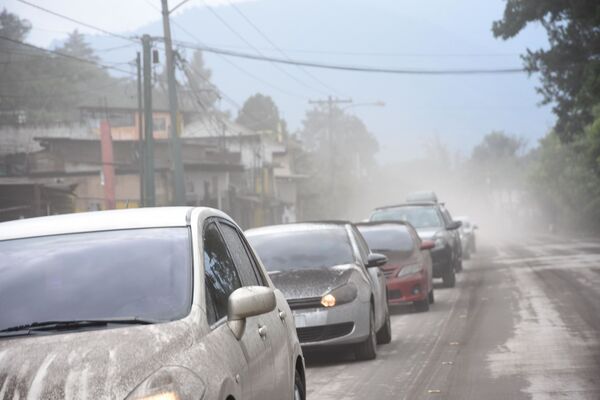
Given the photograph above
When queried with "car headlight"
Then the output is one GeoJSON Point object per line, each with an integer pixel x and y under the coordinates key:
{"type": "Point", "coordinates": [340, 295]}
{"type": "Point", "coordinates": [409, 270]}
{"type": "Point", "coordinates": [169, 383]}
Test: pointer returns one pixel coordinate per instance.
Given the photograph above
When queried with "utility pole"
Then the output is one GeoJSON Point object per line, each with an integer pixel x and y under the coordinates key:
{"type": "Point", "coordinates": [178, 180]}
{"type": "Point", "coordinates": [141, 152]}
{"type": "Point", "coordinates": [149, 195]}
{"type": "Point", "coordinates": [330, 102]}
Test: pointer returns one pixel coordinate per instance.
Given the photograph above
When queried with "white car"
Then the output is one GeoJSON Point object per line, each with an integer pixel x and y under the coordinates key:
{"type": "Point", "coordinates": [467, 236]}
{"type": "Point", "coordinates": [154, 303]}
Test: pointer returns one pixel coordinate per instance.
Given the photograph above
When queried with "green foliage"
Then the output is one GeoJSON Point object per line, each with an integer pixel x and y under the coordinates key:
{"type": "Point", "coordinates": [570, 69]}
{"type": "Point", "coordinates": [340, 156]}
{"type": "Point", "coordinates": [565, 182]}
{"type": "Point", "coordinates": [47, 88]}
{"type": "Point", "coordinates": [260, 113]}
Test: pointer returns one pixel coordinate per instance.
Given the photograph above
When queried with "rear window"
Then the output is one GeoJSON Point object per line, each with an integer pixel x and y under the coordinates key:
{"type": "Point", "coordinates": [319, 248]}
{"type": "Point", "coordinates": [418, 216]}
{"type": "Point", "coordinates": [144, 273]}
{"type": "Point", "coordinates": [387, 238]}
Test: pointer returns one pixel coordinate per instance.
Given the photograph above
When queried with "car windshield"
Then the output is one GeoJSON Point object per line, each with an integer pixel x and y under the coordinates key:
{"type": "Point", "coordinates": [417, 216]}
{"type": "Point", "coordinates": [387, 238]}
{"type": "Point", "coordinates": [141, 273]}
{"type": "Point", "coordinates": [314, 248]}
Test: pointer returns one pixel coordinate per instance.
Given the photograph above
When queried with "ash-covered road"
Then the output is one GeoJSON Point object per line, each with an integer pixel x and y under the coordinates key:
{"type": "Point", "coordinates": [522, 323]}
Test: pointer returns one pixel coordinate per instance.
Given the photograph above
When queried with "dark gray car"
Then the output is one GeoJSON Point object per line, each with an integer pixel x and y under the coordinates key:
{"type": "Point", "coordinates": [154, 303]}
{"type": "Point", "coordinates": [432, 222]}
{"type": "Point", "coordinates": [331, 281]}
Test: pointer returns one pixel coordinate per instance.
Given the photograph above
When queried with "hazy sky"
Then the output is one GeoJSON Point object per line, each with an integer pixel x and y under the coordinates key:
{"type": "Point", "coordinates": [431, 34]}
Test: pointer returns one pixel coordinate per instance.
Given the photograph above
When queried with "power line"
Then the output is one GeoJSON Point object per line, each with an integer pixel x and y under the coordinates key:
{"type": "Point", "coordinates": [69, 56]}
{"type": "Point", "coordinates": [131, 39]}
{"type": "Point", "coordinates": [264, 36]}
{"type": "Point", "coordinates": [242, 70]}
{"type": "Point", "coordinates": [243, 39]}
{"type": "Point", "coordinates": [356, 68]}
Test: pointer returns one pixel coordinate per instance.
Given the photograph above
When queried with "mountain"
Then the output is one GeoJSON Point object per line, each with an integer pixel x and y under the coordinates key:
{"type": "Point", "coordinates": [403, 34]}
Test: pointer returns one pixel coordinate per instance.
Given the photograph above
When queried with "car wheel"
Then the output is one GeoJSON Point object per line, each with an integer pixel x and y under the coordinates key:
{"type": "Point", "coordinates": [367, 350]}
{"type": "Point", "coordinates": [431, 297]}
{"type": "Point", "coordinates": [384, 336]}
{"type": "Point", "coordinates": [422, 305]}
{"type": "Point", "coordinates": [449, 277]}
{"type": "Point", "coordinates": [458, 267]}
{"type": "Point", "coordinates": [299, 387]}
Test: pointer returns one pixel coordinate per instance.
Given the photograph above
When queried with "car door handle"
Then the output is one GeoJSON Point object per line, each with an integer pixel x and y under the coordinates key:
{"type": "Point", "coordinates": [262, 331]}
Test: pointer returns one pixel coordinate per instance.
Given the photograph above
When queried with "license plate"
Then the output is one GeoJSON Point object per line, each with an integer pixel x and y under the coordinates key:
{"type": "Point", "coordinates": [299, 320]}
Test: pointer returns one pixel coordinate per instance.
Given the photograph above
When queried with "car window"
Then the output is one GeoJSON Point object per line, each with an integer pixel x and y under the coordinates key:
{"type": "Point", "coordinates": [296, 249]}
{"type": "Point", "coordinates": [388, 238]}
{"type": "Point", "coordinates": [417, 216]}
{"type": "Point", "coordinates": [144, 273]}
{"type": "Point", "coordinates": [242, 259]}
{"type": "Point", "coordinates": [221, 276]}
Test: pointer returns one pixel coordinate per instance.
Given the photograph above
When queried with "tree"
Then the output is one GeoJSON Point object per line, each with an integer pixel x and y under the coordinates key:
{"type": "Point", "coordinates": [570, 67]}
{"type": "Point", "coordinates": [340, 156]}
{"type": "Point", "coordinates": [13, 27]}
{"type": "Point", "coordinates": [260, 113]}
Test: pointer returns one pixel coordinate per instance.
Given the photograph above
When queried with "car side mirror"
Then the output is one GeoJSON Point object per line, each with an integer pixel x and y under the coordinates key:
{"type": "Point", "coordinates": [427, 244]}
{"type": "Point", "coordinates": [376, 260]}
{"type": "Point", "coordinates": [454, 225]}
{"type": "Point", "coordinates": [245, 302]}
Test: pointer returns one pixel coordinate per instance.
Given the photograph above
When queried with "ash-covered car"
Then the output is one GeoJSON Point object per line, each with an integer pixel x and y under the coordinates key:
{"type": "Point", "coordinates": [408, 271]}
{"type": "Point", "coordinates": [467, 236]}
{"type": "Point", "coordinates": [331, 281]}
{"type": "Point", "coordinates": [432, 222]}
{"type": "Point", "coordinates": [154, 303]}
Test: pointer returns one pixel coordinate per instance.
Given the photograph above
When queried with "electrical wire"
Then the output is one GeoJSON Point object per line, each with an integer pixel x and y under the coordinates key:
{"type": "Point", "coordinates": [56, 14]}
{"type": "Point", "coordinates": [280, 51]}
{"type": "Point", "coordinates": [243, 39]}
{"type": "Point", "coordinates": [354, 68]}
{"type": "Point", "coordinates": [69, 56]}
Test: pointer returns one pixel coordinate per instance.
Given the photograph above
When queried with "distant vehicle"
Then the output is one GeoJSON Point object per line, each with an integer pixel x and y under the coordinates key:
{"type": "Point", "coordinates": [467, 236]}
{"type": "Point", "coordinates": [408, 272]}
{"type": "Point", "coordinates": [432, 222]}
{"type": "Point", "coordinates": [153, 303]}
{"type": "Point", "coordinates": [423, 196]}
{"type": "Point", "coordinates": [332, 283]}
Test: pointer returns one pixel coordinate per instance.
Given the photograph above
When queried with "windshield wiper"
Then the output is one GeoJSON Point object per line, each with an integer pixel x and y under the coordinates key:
{"type": "Point", "coordinates": [76, 324]}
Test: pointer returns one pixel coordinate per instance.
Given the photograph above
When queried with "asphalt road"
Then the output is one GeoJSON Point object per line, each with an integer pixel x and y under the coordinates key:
{"type": "Point", "coordinates": [522, 323]}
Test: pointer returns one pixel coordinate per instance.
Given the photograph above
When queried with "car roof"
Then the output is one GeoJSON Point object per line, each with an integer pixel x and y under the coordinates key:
{"type": "Point", "coordinates": [377, 223]}
{"type": "Point", "coordinates": [411, 204]}
{"type": "Point", "coordinates": [93, 221]}
{"type": "Point", "coordinates": [424, 195]}
{"type": "Point", "coordinates": [296, 227]}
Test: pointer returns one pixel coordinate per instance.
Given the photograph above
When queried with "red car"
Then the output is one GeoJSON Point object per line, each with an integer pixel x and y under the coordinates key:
{"type": "Point", "coordinates": [408, 270]}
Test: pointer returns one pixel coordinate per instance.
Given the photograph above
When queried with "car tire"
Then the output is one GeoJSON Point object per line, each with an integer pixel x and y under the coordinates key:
{"type": "Point", "coordinates": [449, 277]}
{"type": "Point", "coordinates": [422, 305]}
{"type": "Point", "coordinates": [299, 387]}
{"type": "Point", "coordinates": [431, 297]}
{"type": "Point", "coordinates": [384, 335]}
{"type": "Point", "coordinates": [458, 267]}
{"type": "Point", "coordinates": [367, 350]}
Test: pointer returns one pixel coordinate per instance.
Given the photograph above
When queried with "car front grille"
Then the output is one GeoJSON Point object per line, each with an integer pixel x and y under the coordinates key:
{"type": "Point", "coordinates": [308, 302]}
{"type": "Point", "coordinates": [324, 332]}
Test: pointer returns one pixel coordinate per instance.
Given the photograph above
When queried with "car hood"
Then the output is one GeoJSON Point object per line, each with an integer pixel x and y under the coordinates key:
{"type": "Point", "coordinates": [98, 364]}
{"type": "Point", "coordinates": [311, 282]}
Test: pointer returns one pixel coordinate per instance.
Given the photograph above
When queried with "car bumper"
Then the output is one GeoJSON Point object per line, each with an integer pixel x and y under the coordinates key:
{"type": "Point", "coordinates": [407, 289]}
{"type": "Point", "coordinates": [441, 261]}
{"type": "Point", "coordinates": [339, 325]}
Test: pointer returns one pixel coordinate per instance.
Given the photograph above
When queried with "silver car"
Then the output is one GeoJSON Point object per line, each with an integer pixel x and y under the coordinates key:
{"type": "Point", "coordinates": [331, 281]}
{"type": "Point", "coordinates": [467, 236]}
{"type": "Point", "coordinates": [156, 303]}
